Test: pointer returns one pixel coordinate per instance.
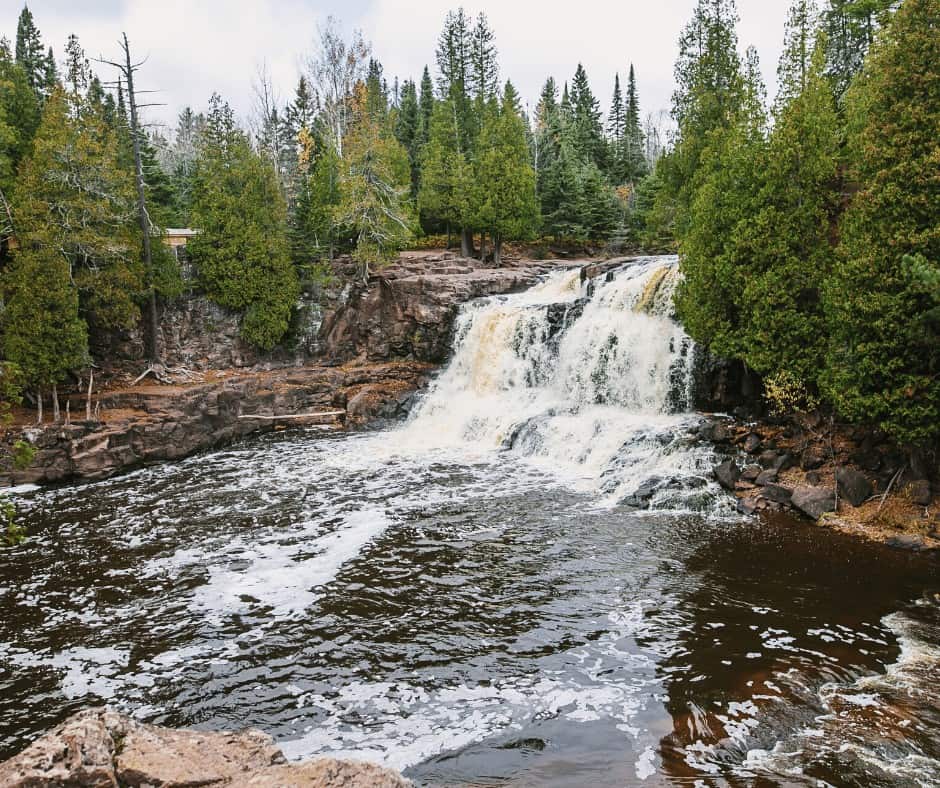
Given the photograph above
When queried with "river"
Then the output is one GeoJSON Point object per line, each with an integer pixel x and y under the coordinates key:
{"type": "Point", "coordinates": [531, 582]}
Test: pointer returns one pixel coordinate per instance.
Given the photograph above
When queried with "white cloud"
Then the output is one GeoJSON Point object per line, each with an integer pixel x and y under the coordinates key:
{"type": "Point", "coordinates": [216, 45]}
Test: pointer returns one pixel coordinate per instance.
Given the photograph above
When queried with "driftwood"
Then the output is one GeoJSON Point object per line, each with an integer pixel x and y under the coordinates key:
{"type": "Point", "coordinates": [169, 375]}
{"type": "Point", "coordinates": [888, 488]}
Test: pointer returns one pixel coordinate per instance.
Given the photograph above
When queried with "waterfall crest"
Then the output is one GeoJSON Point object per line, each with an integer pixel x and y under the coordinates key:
{"type": "Point", "coordinates": [590, 379]}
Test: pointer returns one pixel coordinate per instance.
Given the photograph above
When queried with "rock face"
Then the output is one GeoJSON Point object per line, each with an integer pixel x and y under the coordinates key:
{"type": "Point", "coordinates": [101, 748]}
{"type": "Point", "coordinates": [407, 310]}
{"type": "Point", "coordinates": [151, 423]}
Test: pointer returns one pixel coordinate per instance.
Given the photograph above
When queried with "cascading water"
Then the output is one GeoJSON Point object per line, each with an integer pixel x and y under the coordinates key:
{"type": "Point", "coordinates": [531, 582]}
{"type": "Point", "coordinates": [591, 379]}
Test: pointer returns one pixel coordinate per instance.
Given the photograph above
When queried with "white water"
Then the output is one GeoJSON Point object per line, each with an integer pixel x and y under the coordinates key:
{"type": "Point", "coordinates": [589, 380]}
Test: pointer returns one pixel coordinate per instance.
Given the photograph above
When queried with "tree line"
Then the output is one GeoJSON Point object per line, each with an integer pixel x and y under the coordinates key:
{"type": "Point", "coordinates": [809, 230]}
{"type": "Point", "coordinates": [349, 165]}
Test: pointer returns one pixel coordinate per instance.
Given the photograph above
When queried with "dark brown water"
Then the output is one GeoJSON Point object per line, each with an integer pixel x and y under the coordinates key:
{"type": "Point", "coordinates": [469, 599]}
{"type": "Point", "coordinates": [471, 622]}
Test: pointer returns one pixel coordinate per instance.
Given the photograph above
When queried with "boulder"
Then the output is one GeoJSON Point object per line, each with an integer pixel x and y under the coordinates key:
{"type": "Point", "coordinates": [768, 458]}
{"type": "Point", "coordinates": [813, 478]}
{"type": "Point", "coordinates": [727, 474]}
{"type": "Point", "coordinates": [814, 501]}
{"type": "Point", "coordinates": [766, 477]}
{"type": "Point", "coordinates": [784, 462]}
{"type": "Point", "coordinates": [752, 443]}
{"type": "Point", "coordinates": [751, 472]}
{"type": "Point", "coordinates": [813, 457]}
{"type": "Point", "coordinates": [103, 749]}
{"type": "Point", "coordinates": [642, 495]}
{"type": "Point", "coordinates": [919, 492]}
{"type": "Point", "coordinates": [853, 486]}
{"type": "Point", "coordinates": [777, 493]}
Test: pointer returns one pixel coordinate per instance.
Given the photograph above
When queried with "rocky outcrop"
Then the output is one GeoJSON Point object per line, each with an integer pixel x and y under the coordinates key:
{"type": "Point", "coordinates": [150, 423]}
{"type": "Point", "coordinates": [407, 310]}
{"type": "Point", "coordinates": [101, 748]}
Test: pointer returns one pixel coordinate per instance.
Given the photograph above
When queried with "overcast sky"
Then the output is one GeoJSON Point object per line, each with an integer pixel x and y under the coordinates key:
{"type": "Point", "coordinates": [196, 47]}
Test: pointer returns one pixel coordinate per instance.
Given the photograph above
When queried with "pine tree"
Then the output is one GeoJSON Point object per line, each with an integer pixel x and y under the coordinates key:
{"type": "Point", "coordinates": [425, 109]}
{"type": "Point", "coordinates": [407, 123]}
{"type": "Point", "coordinates": [241, 253]}
{"type": "Point", "coordinates": [616, 118]}
{"type": "Point", "coordinates": [483, 72]}
{"type": "Point", "coordinates": [505, 202]}
{"type": "Point", "coordinates": [77, 69]}
{"type": "Point", "coordinates": [544, 135]}
{"type": "Point", "coordinates": [850, 27]}
{"type": "Point", "coordinates": [882, 300]}
{"type": "Point", "coordinates": [633, 153]}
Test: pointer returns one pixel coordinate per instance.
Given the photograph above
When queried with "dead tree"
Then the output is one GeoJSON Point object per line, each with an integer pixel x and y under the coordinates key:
{"type": "Point", "coordinates": [128, 69]}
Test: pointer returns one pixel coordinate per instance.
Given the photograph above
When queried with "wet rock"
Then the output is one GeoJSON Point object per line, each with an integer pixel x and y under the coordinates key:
{"type": "Point", "coordinates": [766, 477]}
{"type": "Point", "coordinates": [103, 749]}
{"type": "Point", "coordinates": [751, 472]}
{"type": "Point", "coordinates": [640, 498]}
{"type": "Point", "coordinates": [919, 492]}
{"type": "Point", "coordinates": [813, 457]}
{"type": "Point", "coordinates": [908, 542]}
{"type": "Point", "coordinates": [777, 493]}
{"type": "Point", "coordinates": [747, 505]}
{"type": "Point", "coordinates": [768, 458]}
{"type": "Point", "coordinates": [720, 433]}
{"type": "Point", "coordinates": [752, 443]}
{"type": "Point", "coordinates": [814, 501]}
{"type": "Point", "coordinates": [727, 474]}
{"type": "Point", "coordinates": [853, 486]}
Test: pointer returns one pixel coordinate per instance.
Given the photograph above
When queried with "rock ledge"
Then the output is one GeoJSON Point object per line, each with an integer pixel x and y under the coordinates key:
{"type": "Point", "coordinates": [102, 748]}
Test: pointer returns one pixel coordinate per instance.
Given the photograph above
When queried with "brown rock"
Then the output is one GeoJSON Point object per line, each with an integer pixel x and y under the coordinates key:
{"type": "Point", "coordinates": [814, 501]}
{"type": "Point", "coordinates": [812, 458]}
{"type": "Point", "coordinates": [919, 492]}
{"type": "Point", "coordinates": [103, 749]}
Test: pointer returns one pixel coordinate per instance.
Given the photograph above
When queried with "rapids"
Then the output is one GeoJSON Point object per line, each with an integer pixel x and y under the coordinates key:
{"type": "Point", "coordinates": [533, 581]}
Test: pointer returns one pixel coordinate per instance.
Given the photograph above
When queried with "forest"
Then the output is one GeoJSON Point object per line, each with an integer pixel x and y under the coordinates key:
{"type": "Point", "coordinates": [808, 226]}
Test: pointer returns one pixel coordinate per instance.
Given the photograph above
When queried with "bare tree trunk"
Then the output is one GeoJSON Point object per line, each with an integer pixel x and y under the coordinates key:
{"type": "Point", "coordinates": [39, 405]}
{"type": "Point", "coordinates": [497, 250]}
{"type": "Point", "coordinates": [483, 246]}
{"type": "Point", "coordinates": [55, 404]}
{"type": "Point", "coordinates": [91, 385]}
{"type": "Point", "coordinates": [448, 236]}
{"type": "Point", "coordinates": [466, 243]}
{"type": "Point", "coordinates": [68, 413]}
{"type": "Point", "coordinates": [153, 350]}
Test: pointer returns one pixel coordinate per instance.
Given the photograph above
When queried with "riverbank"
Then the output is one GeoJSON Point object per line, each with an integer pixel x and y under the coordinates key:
{"type": "Point", "coordinates": [100, 747]}
{"type": "Point", "coordinates": [843, 477]}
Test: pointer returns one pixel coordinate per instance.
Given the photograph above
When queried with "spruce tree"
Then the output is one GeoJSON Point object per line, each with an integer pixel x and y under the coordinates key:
{"type": "Point", "coordinates": [19, 117]}
{"type": "Point", "coordinates": [586, 118]}
{"type": "Point", "coordinates": [882, 300]}
{"type": "Point", "coordinates": [634, 146]}
{"type": "Point", "coordinates": [850, 27]}
{"type": "Point", "coordinates": [241, 253]}
{"type": "Point", "coordinates": [407, 130]}
{"type": "Point", "coordinates": [30, 53]}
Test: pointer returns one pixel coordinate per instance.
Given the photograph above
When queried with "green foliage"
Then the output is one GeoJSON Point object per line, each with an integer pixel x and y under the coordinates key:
{"type": "Point", "coordinates": [241, 253]}
{"type": "Point", "coordinates": [505, 201]}
{"type": "Point", "coordinates": [42, 334]}
{"type": "Point", "coordinates": [884, 360]}
{"type": "Point", "coordinates": [19, 117]}
{"type": "Point", "coordinates": [23, 455]}
{"type": "Point", "coordinates": [445, 172]}
{"type": "Point", "coordinates": [75, 198]}
{"type": "Point", "coordinates": [11, 532]}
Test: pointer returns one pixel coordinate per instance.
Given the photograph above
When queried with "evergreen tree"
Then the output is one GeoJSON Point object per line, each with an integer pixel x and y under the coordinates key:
{"type": "Point", "coordinates": [241, 253]}
{"type": "Point", "coordinates": [74, 196]}
{"type": "Point", "coordinates": [445, 173]}
{"type": "Point", "coordinates": [19, 117]}
{"type": "Point", "coordinates": [586, 119]}
{"type": "Point", "coordinates": [850, 27]}
{"type": "Point", "coordinates": [42, 332]}
{"type": "Point", "coordinates": [375, 187]}
{"type": "Point", "coordinates": [783, 323]}
{"type": "Point", "coordinates": [884, 359]}
{"type": "Point", "coordinates": [407, 123]}
{"type": "Point", "coordinates": [544, 135]}
{"type": "Point", "coordinates": [714, 264]}
{"type": "Point", "coordinates": [707, 98]}
{"type": "Point", "coordinates": [505, 203]}
{"type": "Point", "coordinates": [616, 119]}
{"type": "Point", "coordinates": [633, 147]}
{"type": "Point", "coordinates": [319, 209]}
{"type": "Point", "coordinates": [425, 110]}
{"type": "Point", "coordinates": [30, 53]}
{"type": "Point", "coordinates": [77, 69]}
{"type": "Point", "coordinates": [483, 72]}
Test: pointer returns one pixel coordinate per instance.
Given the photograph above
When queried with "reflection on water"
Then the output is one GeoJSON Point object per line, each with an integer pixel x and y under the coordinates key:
{"type": "Point", "coordinates": [468, 598]}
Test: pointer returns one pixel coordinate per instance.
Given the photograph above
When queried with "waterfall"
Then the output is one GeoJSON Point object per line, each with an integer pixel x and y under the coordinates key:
{"type": "Point", "coordinates": [590, 379]}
